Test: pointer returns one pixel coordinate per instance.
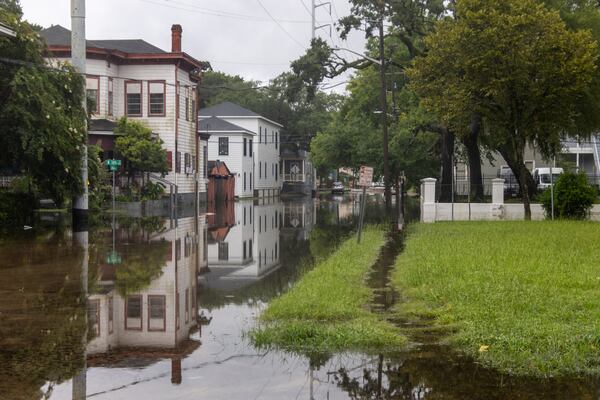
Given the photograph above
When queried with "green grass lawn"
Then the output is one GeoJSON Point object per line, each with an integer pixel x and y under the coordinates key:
{"type": "Point", "coordinates": [523, 297]}
{"type": "Point", "coordinates": [325, 311]}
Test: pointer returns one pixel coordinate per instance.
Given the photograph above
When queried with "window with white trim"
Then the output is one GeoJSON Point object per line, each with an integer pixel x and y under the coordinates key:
{"type": "Point", "coordinates": [133, 99]}
{"type": "Point", "coordinates": [92, 92]}
{"type": "Point", "coordinates": [156, 99]}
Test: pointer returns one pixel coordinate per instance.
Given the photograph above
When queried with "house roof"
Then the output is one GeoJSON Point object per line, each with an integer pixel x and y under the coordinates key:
{"type": "Point", "coordinates": [102, 125]}
{"type": "Point", "coordinates": [215, 124]}
{"type": "Point", "coordinates": [228, 109]}
{"type": "Point", "coordinates": [58, 39]}
{"type": "Point", "coordinates": [57, 35]}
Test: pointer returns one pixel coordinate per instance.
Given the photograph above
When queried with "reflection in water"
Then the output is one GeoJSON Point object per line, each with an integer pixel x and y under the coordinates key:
{"type": "Point", "coordinates": [146, 336]}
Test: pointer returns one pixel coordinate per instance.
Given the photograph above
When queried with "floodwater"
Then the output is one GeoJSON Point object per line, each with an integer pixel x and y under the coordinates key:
{"type": "Point", "coordinates": [159, 309]}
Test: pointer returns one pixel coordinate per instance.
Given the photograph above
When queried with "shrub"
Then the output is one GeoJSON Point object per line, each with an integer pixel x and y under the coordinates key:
{"type": "Point", "coordinates": [573, 197]}
{"type": "Point", "coordinates": [153, 191]}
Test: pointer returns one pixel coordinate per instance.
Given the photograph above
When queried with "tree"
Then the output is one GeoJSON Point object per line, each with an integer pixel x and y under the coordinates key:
{"type": "Point", "coordinates": [516, 65]}
{"type": "Point", "coordinates": [141, 152]}
{"type": "Point", "coordinates": [41, 117]}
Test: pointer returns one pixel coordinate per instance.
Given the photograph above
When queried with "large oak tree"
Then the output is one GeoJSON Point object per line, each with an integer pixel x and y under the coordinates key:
{"type": "Point", "coordinates": [516, 65]}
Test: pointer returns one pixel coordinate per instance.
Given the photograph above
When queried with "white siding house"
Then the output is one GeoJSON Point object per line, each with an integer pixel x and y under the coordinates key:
{"type": "Point", "coordinates": [135, 79]}
{"type": "Point", "coordinates": [232, 145]}
{"type": "Point", "coordinates": [265, 171]}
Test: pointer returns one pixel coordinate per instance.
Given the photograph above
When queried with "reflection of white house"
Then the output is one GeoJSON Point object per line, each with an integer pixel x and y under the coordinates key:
{"type": "Point", "coordinates": [159, 316]}
{"type": "Point", "coordinates": [235, 129]}
{"type": "Point", "coordinates": [250, 249]}
{"type": "Point", "coordinates": [299, 218]}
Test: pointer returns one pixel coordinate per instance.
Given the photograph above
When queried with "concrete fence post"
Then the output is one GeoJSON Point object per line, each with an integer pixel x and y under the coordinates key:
{"type": "Point", "coordinates": [497, 198]}
{"type": "Point", "coordinates": [428, 205]}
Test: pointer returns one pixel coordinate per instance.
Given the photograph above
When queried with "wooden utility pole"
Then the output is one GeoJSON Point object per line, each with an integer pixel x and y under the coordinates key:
{"type": "Point", "coordinates": [384, 117]}
{"type": "Point", "coordinates": [78, 56]}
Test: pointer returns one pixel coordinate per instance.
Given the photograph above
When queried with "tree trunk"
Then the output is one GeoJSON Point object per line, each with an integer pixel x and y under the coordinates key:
{"type": "Point", "coordinates": [514, 159]}
{"type": "Point", "coordinates": [471, 143]}
{"type": "Point", "coordinates": [447, 139]}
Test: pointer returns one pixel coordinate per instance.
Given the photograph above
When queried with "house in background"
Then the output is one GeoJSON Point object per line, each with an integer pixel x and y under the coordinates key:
{"type": "Point", "coordinates": [246, 133]}
{"type": "Point", "coordinates": [135, 79]}
{"type": "Point", "coordinates": [6, 31]}
{"type": "Point", "coordinates": [233, 145]}
{"type": "Point", "coordinates": [299, 175]}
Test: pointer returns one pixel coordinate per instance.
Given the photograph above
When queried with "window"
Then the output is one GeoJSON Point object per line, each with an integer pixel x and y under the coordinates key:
{"type": "Point", "coordinates": [93, 307]}
{"type": "Point", "coordinates": [170, 160]}
{"type": "Point", "coordinates": [92, 91]}
{"type": "Point", "coordinates": [260, 170]}
{"type": "Point", "coordinates": [223, 251]}
{"type": "Point", "coordinates": [250, 188]}
{"type": "Point", "coordinates": [205, 162]}
{"type": "Point", "coordinates": [111, 102]}
{"type": "Point", "coordinates": [244, 216]}
{"type": "Point", "coordinates": [244, 252]}
{"type": "Point", "coordinates": [157, 314]}
{"type": "Point", "coordinates": [223, 146]}
{"type": "Point", "coordinates": [187, 305]}
{"type": "Point", "coordinates": [251, 212]}
{"type": "Point", "coordinates": [178, 162]}
{"type": "Point", "coordinates": [187, 108]}
{"type": "Point", "coordinates": [177, 310]}
{"type": "Point", "coordinates": [110, 315]}
{"type": "Point", "coordinates": [133, 99]}
{"type": "Point", "coordinates": [250, 149]}
{"type": "Point", "coordinates": [250, 245]}
{"type": "Point", "coordinates": [276, 172]}
{"type": "Point", "coordinates": [461, 172]}
{"type": "Point", "coordinates": [187, 162]}
{"type": "Point", "coordinates": [245, 149]}
{"type": "Point", "coordinates": [156, 99]}
{"type": "Point", "coordinates": [244, 187]}
{"type": "Point", "coordinates": [260, 134]}
{"type": "Point", "coordinates": [178, 249]}
{"type": "Point", "coordinates": [194, 116]}
{"type": "Point", "coordinates": [530, 165]}
{"type": "Point", "coordinates": [133, 313]}
{"type": "Point", "coordinates": [266, 170]}
{"type": "Point", "coordinates": [276, 139]}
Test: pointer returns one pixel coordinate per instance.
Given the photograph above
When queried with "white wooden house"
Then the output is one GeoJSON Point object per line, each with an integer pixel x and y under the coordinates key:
{"type": "Point", "coordinates": [135, 79]}
{"type": "Point", "coordinates": [251, 144]}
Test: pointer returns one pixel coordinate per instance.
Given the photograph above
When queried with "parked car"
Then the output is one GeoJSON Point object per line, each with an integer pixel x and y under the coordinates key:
{"type": "Point", "coordinates": [511, 186]}
{"type": "Point", "coordinates": [337, 188]}
{"type": "Point", "coordinates": [542, 177]}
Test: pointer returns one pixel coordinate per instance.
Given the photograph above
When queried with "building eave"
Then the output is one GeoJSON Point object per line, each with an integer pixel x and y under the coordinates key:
{"type": "Point", "coordinates": [241, 117]}
{"type": "Point", "coordinates": [6, 31]}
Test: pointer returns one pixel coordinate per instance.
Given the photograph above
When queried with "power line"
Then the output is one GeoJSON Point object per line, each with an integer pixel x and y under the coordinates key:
{"type": "Point", "coordinates": [279, 25]}
{"type": "Point", "coordinates": [218, 13]}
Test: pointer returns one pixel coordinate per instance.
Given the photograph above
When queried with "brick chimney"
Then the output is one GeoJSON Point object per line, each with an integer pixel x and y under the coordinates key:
{"type": "Point", "coordinates": [176, 31]}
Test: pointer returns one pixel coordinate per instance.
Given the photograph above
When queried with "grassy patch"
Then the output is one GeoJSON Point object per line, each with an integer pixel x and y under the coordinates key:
{"type": "Point", "coordinates": [523, 297]}
{"type": "Point", "coordinates": [326, 310]}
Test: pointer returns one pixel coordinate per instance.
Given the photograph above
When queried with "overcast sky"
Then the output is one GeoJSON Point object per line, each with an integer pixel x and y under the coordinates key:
{"type": "Point", "coordinates": [235, 36]}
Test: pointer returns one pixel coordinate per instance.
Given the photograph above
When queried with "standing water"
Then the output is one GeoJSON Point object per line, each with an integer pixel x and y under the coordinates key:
{"type": "Point", "coordinates": [163, 310]}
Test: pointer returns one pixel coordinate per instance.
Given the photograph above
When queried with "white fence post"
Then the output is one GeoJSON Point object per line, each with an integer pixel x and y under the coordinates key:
{"type": "Point", "coordinates": [498, 198]}
{"type": "Point", "coordinates": [428, 205]}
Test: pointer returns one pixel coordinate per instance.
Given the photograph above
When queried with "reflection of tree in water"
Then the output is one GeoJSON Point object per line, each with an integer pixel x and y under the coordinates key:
{"type": "Point", "coordinates": [436, 373]}
{"type": "Point", "coordinates": [142, 264]}
{"type": "Point", "coordinates": [42, 314]}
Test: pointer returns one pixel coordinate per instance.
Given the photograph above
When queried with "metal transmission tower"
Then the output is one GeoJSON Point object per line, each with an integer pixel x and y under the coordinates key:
{"type": "Point", "coordinates": [314, 17]}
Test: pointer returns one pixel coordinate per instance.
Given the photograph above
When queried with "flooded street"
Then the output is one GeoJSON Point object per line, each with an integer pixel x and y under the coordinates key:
{"type": "Point", "coordinates": [163, 308]}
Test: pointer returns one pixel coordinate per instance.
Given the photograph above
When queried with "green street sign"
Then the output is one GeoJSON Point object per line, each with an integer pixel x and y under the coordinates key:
{"type": "Point", "coordinates": [113, 258]}
{"type": "Point", "coordinates": [113, 165]}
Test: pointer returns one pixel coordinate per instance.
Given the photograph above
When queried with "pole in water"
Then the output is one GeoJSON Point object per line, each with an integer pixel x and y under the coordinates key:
{"type": "Point", "coordinates": [362, 213]}
{"type": "Point", "coordinates": [78, 58]}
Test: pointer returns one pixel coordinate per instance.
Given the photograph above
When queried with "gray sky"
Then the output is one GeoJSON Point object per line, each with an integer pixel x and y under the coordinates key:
{"type": "Point", "coordinates": [236, 36]}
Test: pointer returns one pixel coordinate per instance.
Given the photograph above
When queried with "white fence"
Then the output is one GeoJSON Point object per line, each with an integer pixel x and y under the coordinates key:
{"type": "Point", "coordinates": [497, 210]}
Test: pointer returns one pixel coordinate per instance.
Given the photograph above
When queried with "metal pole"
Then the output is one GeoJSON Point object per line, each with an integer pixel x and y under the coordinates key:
{"type": "Point", "coordinates": [452, 162]}
{"type": "Point", "coordinates": [362, 213]}
{"type": "Point", "coordinates": [314, 19]}
{"type": "Point", "coordinates": [78, 55]}
{"type": "Point", "coordinates": [113, 192]}
{"type": "Point", "coordinates": [552, 192]}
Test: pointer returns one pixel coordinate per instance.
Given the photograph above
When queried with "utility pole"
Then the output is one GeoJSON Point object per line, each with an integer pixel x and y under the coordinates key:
{"type": "Point", "coordinates": [78, 56]}
{"type": "Point", "coordinates": [384, 118]}
{"type": "Point", "coordinates": [314, 26]}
